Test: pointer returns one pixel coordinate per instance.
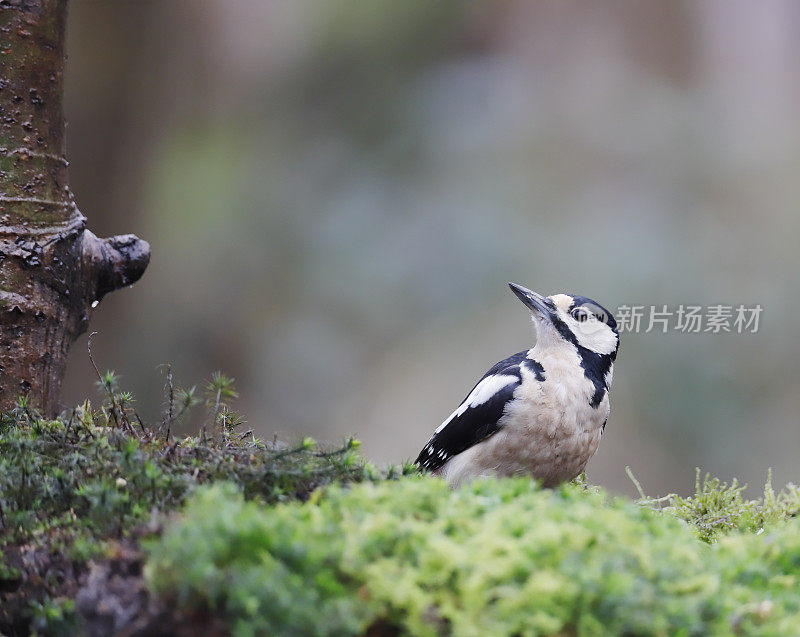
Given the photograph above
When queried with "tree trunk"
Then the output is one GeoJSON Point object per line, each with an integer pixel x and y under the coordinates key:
{"type": "Point", "coordinates": [52, 269]}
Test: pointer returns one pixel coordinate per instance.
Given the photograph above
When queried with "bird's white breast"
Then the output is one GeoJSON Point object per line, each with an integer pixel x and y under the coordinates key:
{"type": "Point", "coordinates": [550, 430]}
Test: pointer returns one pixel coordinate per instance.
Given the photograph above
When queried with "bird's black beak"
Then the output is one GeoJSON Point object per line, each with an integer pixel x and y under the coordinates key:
{"type": "Point", "coordinates": [533, 301]}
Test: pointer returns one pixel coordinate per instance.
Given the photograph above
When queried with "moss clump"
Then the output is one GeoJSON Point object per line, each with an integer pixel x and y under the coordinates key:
{"type": "Point", "coordinates": [74, 488]}
{"type": "Point", "coordinates": [83, 476]}
{"type": "Point", "coordinates": [717, 508]}
{"type": "Point", "coordinates": [498, 557]}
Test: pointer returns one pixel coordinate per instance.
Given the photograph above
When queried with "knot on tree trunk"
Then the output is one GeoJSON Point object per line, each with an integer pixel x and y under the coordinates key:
{"type": "Point", "coordinates": [116, 262]}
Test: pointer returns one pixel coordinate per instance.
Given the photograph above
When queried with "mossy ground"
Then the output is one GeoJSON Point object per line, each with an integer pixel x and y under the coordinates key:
{"type": "Point", "coordinates": [497, 557]}
{"type": "Point", "coordinates": [77, 494]}
{"type": "Point", "coordinates": [108, 524]}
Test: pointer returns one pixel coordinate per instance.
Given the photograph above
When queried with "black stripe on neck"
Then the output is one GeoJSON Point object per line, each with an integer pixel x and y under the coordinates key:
{"type": "Point", "coordinates": [595, 366]}
{"type": "Point", "coordinates": [535, 367]}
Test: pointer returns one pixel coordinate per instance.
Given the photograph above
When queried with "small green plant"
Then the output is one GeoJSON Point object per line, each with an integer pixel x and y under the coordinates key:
{"type": "Point", "coordinates": [219, 392]}
{"type": "Point", "coordinates": [717, 508]}
{"type": "Point", "coordinates": [54, 617]}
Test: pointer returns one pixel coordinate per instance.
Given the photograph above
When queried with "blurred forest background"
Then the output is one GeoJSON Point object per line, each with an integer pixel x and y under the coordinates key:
{"type": "Point", "coordinates": [337, 192]}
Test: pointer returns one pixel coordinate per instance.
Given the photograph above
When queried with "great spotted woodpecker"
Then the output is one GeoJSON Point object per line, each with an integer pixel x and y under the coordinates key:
{"type": "Point", "coordinates": [539, 412]}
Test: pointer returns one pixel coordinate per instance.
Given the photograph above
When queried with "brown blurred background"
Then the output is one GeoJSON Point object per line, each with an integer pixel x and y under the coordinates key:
{"type": "Point", "coordinates": [337, 192]}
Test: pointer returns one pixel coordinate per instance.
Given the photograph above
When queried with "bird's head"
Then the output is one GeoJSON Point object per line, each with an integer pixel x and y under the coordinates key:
{"type": "Point", "coordinates": [568, 318]}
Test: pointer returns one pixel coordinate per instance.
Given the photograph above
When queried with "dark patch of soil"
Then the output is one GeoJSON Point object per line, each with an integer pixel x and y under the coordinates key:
{"type": "Point", "coordinates": [110, 595]}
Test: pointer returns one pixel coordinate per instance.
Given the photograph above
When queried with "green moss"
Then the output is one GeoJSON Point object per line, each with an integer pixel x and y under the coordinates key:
{"type": "Point", "coordinates": [498, 557]}
{"type": "Point", "coordinates": [7, 573]}
{"type": "Point", "coordinates": [717, 508]}
{"type": "Point", "coordinates": [54, 617]}
{"type": "Point", "coordinates": [262, 547]}
{"type": "Point", "coordinates": [84, 475]}
{"type": "Point", "coordinates": [72, 488]}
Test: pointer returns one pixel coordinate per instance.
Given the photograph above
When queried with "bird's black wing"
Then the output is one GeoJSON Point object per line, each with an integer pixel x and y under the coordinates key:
{"type": "Point", "coordinates": [477, 417]}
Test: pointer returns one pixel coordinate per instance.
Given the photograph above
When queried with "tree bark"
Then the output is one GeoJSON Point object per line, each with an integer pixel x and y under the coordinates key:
{"type": "Point", "coordinates": [52, 269]}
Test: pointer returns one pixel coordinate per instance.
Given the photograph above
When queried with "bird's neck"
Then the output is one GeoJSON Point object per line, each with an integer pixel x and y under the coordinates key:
{"type": "Point", "coordinates": [556, 352]}
{"type": "Point", "coordinates": [572, 361]}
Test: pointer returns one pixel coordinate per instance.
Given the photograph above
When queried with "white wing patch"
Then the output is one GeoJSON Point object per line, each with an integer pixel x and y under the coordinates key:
{"type": "Point", "coordinates": [483, 391]}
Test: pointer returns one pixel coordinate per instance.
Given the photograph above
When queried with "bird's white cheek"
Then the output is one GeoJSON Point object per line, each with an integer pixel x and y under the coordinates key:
{"type": "Point", "coordinates": [597, 338]}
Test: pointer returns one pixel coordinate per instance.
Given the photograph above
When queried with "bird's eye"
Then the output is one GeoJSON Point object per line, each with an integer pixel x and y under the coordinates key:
{"type": "Point", "coordinates": [580, 315]}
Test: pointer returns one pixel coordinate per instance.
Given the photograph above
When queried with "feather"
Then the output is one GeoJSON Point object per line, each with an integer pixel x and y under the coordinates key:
{"type": "Point", "coordinates": [478, 416]}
